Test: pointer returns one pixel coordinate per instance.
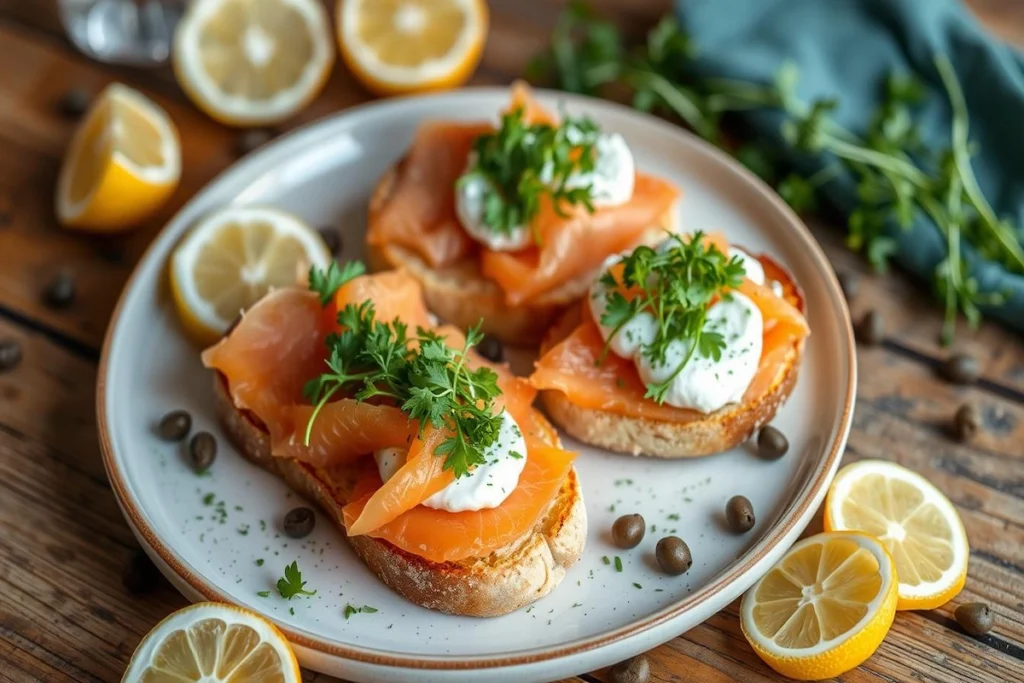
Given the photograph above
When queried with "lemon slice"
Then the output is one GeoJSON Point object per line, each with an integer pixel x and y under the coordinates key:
{"type": "Point", "coordinates": [824, 608]}
{"type": "Point", "coordinates": [232, 258]}
{"type": "Point", "coordinates": [253, 62]}
{"type": "Point", "coordinates": [214, 643]}
{"type": "Point", "coordinates": [918, 525]}
{"type": "Point", "coordinates": [123, 163]}
{"type": "Point", "coordinates": [403, 46]}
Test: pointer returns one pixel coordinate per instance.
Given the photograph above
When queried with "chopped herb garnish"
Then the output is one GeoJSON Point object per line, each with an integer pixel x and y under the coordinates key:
{"type": "Point", "coordinates": [674, 517]}
{"type": "Point", "coordinates": [208, 499]}
{"type": "Point", "coordinates": [292, 584]}
{"type": "Point", "coordinates": [365, 609]}
{"type": "Point", "coordinates": [259, 562]}
{"type": "Point", "coordinates": [522, 162]}
{"type": "Point", "coordinates": [605, 559]}
{"type": "Point", "coordinates": [637, 585]}
{"type": "Point", "coordinates": [264, 594]}
{"type": "Point", "coordinates": [618, 563]}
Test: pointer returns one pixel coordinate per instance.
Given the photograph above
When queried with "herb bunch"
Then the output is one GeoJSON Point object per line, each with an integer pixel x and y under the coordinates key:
{"type": "Point", "coordinates": [430, 381]}
{"type": "Point", "coordinates": [676, 286]}
{"type": "Point", "coordinates": [897, 179]}
{"type": "Point", "coordinates": [522, 162]}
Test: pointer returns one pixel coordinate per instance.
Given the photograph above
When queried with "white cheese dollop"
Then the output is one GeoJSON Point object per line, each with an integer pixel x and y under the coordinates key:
{"type": "Point", "coordinates": [612, 180]}
{"type": "Point", "coordinates": [485, 486]}
{"type": "Point", "coordinates": [755, 271]}
{"type": "Point", "coordinates": [703, 384]}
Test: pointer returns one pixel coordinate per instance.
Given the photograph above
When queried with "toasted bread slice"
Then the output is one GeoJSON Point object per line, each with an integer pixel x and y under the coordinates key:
{"type": "Point", "coordinates": [462, 296]}
{"type": "Point", "coordinates": [507, 579]}
{"type": "Point", "coordinates": [710, 433]}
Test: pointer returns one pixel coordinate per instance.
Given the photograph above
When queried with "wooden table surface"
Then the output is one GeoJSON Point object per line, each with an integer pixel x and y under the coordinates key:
{"type": "Point", "coordinates": [64, 613]}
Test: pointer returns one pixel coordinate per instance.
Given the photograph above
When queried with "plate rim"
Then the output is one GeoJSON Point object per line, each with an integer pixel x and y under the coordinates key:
{"type": "Point", "coordinates": [768, 544]}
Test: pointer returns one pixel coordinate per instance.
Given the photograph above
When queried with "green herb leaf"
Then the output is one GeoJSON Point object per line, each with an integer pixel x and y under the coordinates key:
{"type": "Point", "coordinates": [292, 584]}
{"type": "Point", "coordinates": [327, 283]}
{"type": "Point", "coordinates": [365, 609]}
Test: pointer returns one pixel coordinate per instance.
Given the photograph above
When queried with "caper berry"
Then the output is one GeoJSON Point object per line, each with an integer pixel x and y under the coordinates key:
{"type": "Point", "coordinates": [140, 574]}
{"type": "Point", "coordinates": [849, 282]}
{"type": "Point", "coordinates": [771, 443]}
{"type": "Point", "coordinates": [974, 617]}
{"type": "Point", "coordinates": [331, 237]}
{"type": "Point", "coordinates": [491, 348]}
{"type": "Point", "coordinates": [961, 369]}
{"type": "Point", "coordinates": [60, 292]}
{"type": "Point", "coordinates": [966, 422]}
{"type": "Point", "coordinates": [871, 328]}
{"type": "Point", "coordinates": [628, 531]}
{"type": "Point", "coordinates": [202, 449]}
{"type": "Point", "coordinates": [175, 425]}
{"type": "Point", "coordinates": [299, 522]}
{"type": "Point", "coordinates": [633, 670]}
{"type": "Point", "coordinates": [673, 555]}
{"type": "Point", "coordinates": [10, 354]}
{"type": "Point", "coordinates": [739, 514]}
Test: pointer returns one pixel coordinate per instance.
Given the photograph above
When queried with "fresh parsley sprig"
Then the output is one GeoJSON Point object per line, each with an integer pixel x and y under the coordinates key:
{"type": "Point", "coordinates": [675, 285]}
{"type": "Point", "coordinates": [523, 162]}
{"type": "Point", "coordinates": [430, 381]}
{"type": "Point", "coordinates": [291, 584]}
{"type": "Point", "coordinates": [327, 282]}
{"type": "Point", "coordinates": [897, 179]}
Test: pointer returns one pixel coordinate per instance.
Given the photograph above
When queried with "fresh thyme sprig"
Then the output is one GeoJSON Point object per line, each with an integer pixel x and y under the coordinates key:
{"type": "Point", "coordinates": [897, 179]}
{"type": "Point", "coordinates": [426, 378]}
{"type": "Point", "coordinates": [676, 286]}
{"type": "Point", "coordinates": [522, 162]}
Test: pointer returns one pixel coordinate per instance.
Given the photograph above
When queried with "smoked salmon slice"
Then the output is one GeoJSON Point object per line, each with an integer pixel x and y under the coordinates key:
{"type": "Point", "coordinates": [571, 354]}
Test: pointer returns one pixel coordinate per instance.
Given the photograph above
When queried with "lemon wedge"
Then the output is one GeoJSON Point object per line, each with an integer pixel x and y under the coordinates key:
{"type": "Point", "coordinates": [253, 62]}
{"type": "Point", "coordinates": [405, 46]}
{"type": "Point", "coordinates": [123, 163]}
{"type": "Point", "coordinates": [216, 643]}
{"type": "Point", "coordinates": [824, 608]}
{"type": "Point", "coordinates": [918, 525]}
{"type": "Point", "coordinates": [232, 258]}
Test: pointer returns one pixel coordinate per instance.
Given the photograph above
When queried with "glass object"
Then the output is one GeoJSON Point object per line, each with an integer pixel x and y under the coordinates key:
{"type": "Point", "coordinates": [133, 32]}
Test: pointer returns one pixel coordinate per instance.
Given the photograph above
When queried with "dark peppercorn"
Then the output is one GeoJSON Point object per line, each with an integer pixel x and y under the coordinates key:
{"type": "Point", "coordinates": [975, 617]}
{"type": "Point", "coordinates": [202, 449]}
{"type": "Point", "coordinates": [60, 292]}
{"type": "Point", "coordinates": [739, 514]}
{"type": "Point", "coordinates": [633, 670]}
{"type": "Point", "coordinates": [74, 102]}
{"type": "Point", "coordinates": [961, 369]}
{"type": "Point", "coordinates": [10, 354]}
{"type": "Point", "coordinates": [140, 574]}
{"type": "Point", "coordinates": [771, 443]}
{"type": "Point", "coordinates": [871, 328]}
{"type": "Point", "coordinates": [175, 425]}
{"type": "Point", "coordinates": [966, 422]}
{"type": "Point", "coordinates": [299, 522]}
{"type": "Point", "coordinates": [491, 349]}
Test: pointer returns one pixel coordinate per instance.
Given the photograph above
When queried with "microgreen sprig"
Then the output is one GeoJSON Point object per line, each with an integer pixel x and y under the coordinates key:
{"type": "Point", "coordinates": [675, 285]}
{"type": "Point", "coordinates": [523, 162]}
{"type": "Point", "coordinates": [429, 380]}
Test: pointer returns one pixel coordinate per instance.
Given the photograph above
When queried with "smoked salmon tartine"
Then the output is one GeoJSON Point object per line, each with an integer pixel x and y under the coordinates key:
{"type": "Point", "coordinates": [508, 224]}
{"type": "Point", "coordinates": [679, 350]}
{"type": "Point", "coordinates": [447, 482]}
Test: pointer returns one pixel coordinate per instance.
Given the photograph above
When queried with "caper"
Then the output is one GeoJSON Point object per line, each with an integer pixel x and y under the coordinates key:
{"type": "Point", "coordinates": [739, 514]}
{"type": "Point", "coordinates": [771, 443]}
{"type": "Point", "coordinates": [175, 425]}
{"type": "Point", "coordinates": [961, 369]}
{"type": "Point", "coordinates": [849, 282]}
{"type": "Point", "coordinates": [10, 354]}
{"type": "Point", "coordinates": [491, 349]}
{"type": "Point", "coordinates": [871, 328]}
{"type": "Point", "coordinates": [74, 102]}
{"type": "Point", "coordinates": [633, 670]}
{"type": "Point", "coordinates": [974, 617]}
{"type": "Point", "coordinates": [628, 531]}
{"type": "Point", "coordinates": [673, 555]}
{"type": "Point", "coordinates": [299, 522]}
{"type": "Point", "coordinates": [60, 292]}
{"type": "Point", "coordinates": [202, 449]}
{"type": "Point", "coordinates": [966, 422]}
{"type": "Point", "coordinates": [331, 236]}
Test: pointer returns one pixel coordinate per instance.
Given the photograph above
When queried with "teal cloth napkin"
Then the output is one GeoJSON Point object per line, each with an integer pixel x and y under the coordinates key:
{"type": "Point", "coordinates": [846, 48]}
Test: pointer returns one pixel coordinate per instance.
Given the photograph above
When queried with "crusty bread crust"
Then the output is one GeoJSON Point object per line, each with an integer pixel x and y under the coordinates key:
{"type": "Point", "coordinates": [461, 295]}
{"type": "Point", "coordinates": [712, 433]}
{"type": "Point", "coordinates": [504, 581]}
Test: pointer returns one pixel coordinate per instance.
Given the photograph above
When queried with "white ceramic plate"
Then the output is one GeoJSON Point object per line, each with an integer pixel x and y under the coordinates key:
{"type": "Point", "coordinates": [208, 534]}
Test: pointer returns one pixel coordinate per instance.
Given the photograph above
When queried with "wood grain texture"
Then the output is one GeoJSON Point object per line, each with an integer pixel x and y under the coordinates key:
{"type": "Point", "coordinates": [64, 613]}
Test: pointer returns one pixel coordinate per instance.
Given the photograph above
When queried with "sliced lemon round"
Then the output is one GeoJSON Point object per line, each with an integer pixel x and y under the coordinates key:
{"type": "Point", "coordinates": [232, 258]}
{"type": "Point", "coordinates": [253, 62]}
{"type": "Point", "coordinates": [824, 608]}
{"type": "Point", "coordinates": [123, 163]}
{"type": "Point", "coordinates": [216, 643]}
{"type": "Point", "coordinates": [918, 525]}
{"type": "Point", "coordinates": [404, 46]}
